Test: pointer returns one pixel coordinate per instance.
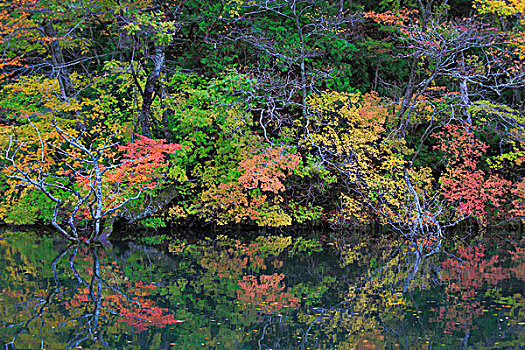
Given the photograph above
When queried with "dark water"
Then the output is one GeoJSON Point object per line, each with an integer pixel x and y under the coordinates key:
{"type": "Point", "coordinates": [267, 293]}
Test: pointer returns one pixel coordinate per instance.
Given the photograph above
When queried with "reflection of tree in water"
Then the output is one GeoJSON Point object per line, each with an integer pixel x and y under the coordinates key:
{"type": "Point", "coordinates": [247, 288]}
{"type": "Point", "coordinates": [267, 293]}
{"type": "Point", "coordinates": [468, 273]}
{"type": "Point", "coordinates": [455, 303]}
{"type": "Point", "coordinates": [260, 295]}
{"type": "Point", "coordinates": [377, 298]}
{"type": "Point", "coordinates": [84, 304]}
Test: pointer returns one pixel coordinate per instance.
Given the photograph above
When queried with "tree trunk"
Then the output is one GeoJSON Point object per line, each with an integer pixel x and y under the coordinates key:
{"type": "Point", "coordinates": [147, 98]}
{"type": "Point", "coordinates": [303, 68]}
{"type": "Point", "coordinates": [59, 64]}
{"type": "Point", "coordinates": [407, 98]}
{"type": "Point", "coordinates": [165, 112]}
{"type": "Point", "coordinates": [463, 88]}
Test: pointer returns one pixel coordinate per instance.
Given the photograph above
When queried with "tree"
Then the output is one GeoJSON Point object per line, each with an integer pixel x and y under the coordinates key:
{"type": "Point", "coordinates": [159, 26]}
{"type": "Point", "coordinates": [294, 42]}
{"type": "Point", "coordinates": [465, 183]}
{"type": "Point", "coordinates": [469, 60]}
{"type": "Point", "coordinates": [89, 180]}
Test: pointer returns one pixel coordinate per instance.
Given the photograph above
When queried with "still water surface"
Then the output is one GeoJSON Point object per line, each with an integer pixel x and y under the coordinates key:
{"type": "Point", "coordinates": [260, 293]}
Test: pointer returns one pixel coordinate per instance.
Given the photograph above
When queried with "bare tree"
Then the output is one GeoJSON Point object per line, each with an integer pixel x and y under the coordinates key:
{"type": "Point", "coordinates": [468, 54]}
{"type": "Point", "coordinates": [85, 163]}
{"type": "Point", "coordinates": [288, 77]}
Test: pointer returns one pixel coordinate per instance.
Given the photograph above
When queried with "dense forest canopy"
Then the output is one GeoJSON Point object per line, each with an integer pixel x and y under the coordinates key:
{"type": "Point", "coordinates": [273, 113]}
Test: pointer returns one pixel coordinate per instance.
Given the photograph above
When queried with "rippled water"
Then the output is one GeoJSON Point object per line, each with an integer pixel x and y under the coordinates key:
{"type": "Point", "coordinates": [265, 293]}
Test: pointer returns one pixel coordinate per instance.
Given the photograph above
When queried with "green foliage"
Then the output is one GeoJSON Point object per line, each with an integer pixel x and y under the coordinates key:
{"type": "Point", "coordinates": [303, 245]}
{"type": "Point", "coordinates": [154, 222]}
{"type": "Point", "coordinates": [151, 239]}
{"type": "Point", "coordinates": [290, 112]}
{"type": "Point", "coordinates": [31, 208]}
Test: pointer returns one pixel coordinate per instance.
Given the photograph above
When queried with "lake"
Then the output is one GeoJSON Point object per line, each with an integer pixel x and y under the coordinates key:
{"type": "Point", "coordinates": [271, 292]}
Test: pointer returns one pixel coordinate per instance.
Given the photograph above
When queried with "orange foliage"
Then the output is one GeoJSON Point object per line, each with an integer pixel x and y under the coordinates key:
{"type": "Point", "coordinates": [267, 169]}
{"type": "Point", "coordinates": [393, 18]}
{"type": "Point", "coordinates": [135, 308]}
{"type": "Point", "coordinates": [17, 26]}
{"type": "Point", "coordinates": [518, 204]}
{"type": "Point", "coordinates": [463, 182]}
{"type": "Point", "coordinates": [463, 279]}
{"type": "Point", "coordinates": [139, 168]}
{"type": "Point", "coordinates": [266, 293]}
{"type": "Point", "coordinates": [141, 160]}
{"type": "Point", "coordinates": [255, 196]}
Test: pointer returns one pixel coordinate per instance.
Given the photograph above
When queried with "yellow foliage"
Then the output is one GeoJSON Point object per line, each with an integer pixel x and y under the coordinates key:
{"type": "Point", "coordinates": [354, 210]}
{"type": "Point", "coordinates": [46, 93]}
{"type": "Point", "coordinates": [392, 298]}
{"type": "Point", "coordinates": [349, 129]}
{"type": "Point", "coordinates": [273, 216]}
{"type": "Point", "coordinates": [273, 245]}
{"type": "Point", "coordinates": [506, 8]}
{"type": "Point", "coordinates": [500, 7]}
{"type": "Point", "coordinates": [346, 124]}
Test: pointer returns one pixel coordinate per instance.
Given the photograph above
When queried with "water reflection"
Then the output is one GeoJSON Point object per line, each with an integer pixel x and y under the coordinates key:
{"type": "Point", "coordinates": [82, 305]}
{"type": "Point", "coordinates": [270, 293]}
